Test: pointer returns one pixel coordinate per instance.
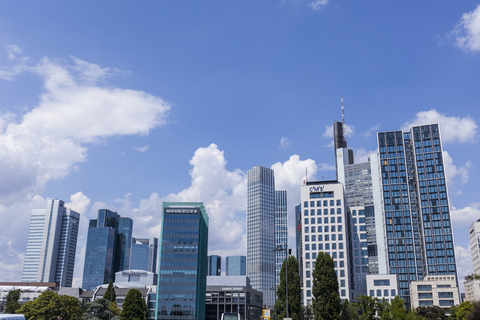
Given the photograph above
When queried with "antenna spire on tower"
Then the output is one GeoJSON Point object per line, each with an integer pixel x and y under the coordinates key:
{"type": "Point", "coordinates": [343, 121]}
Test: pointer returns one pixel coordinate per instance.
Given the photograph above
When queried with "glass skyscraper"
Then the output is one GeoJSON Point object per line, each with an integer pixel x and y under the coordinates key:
{"type": "Point", "coordinates": [214, 265]}
{"type": "Point", "coordinates": [108, 250]}
{"type": "Point", "coordinates": [236, 266]}
{"type": "Point", "coordinates": [51, 245]}
{"type": "Point", "coordinates": [144, 254]}
{"type": "Point", "coordinates": [261, 231]}
{"type": "Point", "coordinates": [182, 263]}
{"type": "Point", "coordinates": [281, 233]}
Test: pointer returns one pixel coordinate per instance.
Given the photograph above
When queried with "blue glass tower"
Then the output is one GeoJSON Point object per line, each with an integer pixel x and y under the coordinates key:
{"type": "Point", "coordinates": [281, 233]}
{"type": "Point", "coordinates": [182, 263]}
{"type": "Point", "coordinates": [144, 254]}
{"type": "Point", "coordinates": [236, 266]}
{"type": "Point", "coordinates": [261, 232]}
{"type": "Point", "coordinates": [214, 265]}
{"type": "Point", "coordinates": [108, 250]}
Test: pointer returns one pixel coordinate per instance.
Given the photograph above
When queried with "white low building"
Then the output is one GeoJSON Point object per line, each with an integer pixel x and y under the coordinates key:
{"type": "Point", "coordinates": [472, 290]}
{"type": "Point", "coordinates": [382, 286]}
{"type": "Point", "coordinates": [441, 291]}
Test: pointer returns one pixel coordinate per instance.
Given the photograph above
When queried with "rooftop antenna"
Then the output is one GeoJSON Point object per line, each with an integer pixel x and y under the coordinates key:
{"type": "Point", "coordinates": [343, 121]}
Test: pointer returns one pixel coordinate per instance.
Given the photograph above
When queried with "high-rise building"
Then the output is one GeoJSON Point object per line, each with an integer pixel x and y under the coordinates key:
{"type": "Point", "coordinates": [261, 231]}
{"type": "Point", "coordinates": [474, 234]}
{"type": "Point", "coordinates": [52, 244]}
{"type": "Point", "coordinates": [144, 254]}
{"type": "Point", "coordinates": [214, 265]}
{"type": "Point", "coordinates": [182, 263]}
{"type": "Point", "coordinates": [236, 266]}
{"type": "Point", "coordinates": [281, 230]}
{"type": "Point", "coordinates": [109, 243]}
{"type": "Point", "coordinates": [325, 228]}
{"type": "Point", "coordinates": [298, 239]}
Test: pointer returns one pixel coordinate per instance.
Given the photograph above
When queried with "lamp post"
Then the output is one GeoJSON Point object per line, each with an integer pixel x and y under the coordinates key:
{"type": "Point", "coordinates": [280, 248]}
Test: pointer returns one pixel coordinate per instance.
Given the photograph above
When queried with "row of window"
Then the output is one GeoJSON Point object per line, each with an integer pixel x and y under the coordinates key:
{"type": "Point", "coordinates": [325, 203]}
{"type": "Point", "coordinates": [385, 293]}
{"type": "Point", "coordinates": [325, 220]}
{"type": "Point", "coordinates": [320, 247]}
{"type": "Point", "coordinates": [319, 212]}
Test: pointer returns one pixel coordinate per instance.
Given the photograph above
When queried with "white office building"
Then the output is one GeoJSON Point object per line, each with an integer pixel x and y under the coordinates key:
{"type": "Point", "coordinates": [52, 244]}
{"type": "Point", "coordinates": [382, 286]}
{"type": "Point", "coordinates": [324, 228]}
{"type": "Point", "coordinates": [474, 234]}
{"type": "Point", "coordinates": [441, 291]}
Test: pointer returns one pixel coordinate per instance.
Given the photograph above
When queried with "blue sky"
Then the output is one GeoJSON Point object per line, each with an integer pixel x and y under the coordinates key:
{"type": "Point", "coordinates": [124, 105]}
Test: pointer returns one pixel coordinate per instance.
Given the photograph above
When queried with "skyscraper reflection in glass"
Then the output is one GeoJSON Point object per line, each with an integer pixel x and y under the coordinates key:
{"type": "Point", "coordinates": [261, 232]}
{"type": "Point", "coordinates": [182, 263]}
{"type": "Point", "coordinates": [236, 266]}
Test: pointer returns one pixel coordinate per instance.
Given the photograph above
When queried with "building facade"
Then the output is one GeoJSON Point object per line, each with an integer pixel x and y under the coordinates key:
{"type": "Point", "coordinates": [108, 249]}
{"type": "Point", "coordinates": [182, 262]}
{"type": "Point", "coordinates": [144, 254]}
{"type": "Point", "coordinates": [382, 286]}
{"type": "Point", "coordinates": [441, 291]}
{"type": "Point", "coordinates": [472, 290]}
{"type": "Point", "coordinates": [325, 228]}
{"type": "Point", "coordinates": [236, 266]}
{"type": "Point", "coordinates": [474, 235]}
{"type": "Point", "coordinates": [261, 231]}
{"type": "Point", "coordinates": [214, 265]}
{"type": "Point", "coordinates": [51, 244]}
{"type": "Point", "coordinates": [281, 230]}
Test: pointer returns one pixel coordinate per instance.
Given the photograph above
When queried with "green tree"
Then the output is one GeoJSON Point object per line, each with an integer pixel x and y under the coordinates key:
{"type": "Point", "coordinates": [461, 311]}
{"type": "Point", "coordinates": [111, 296]}
{"type": "Point", "coordinates": [50, 305]}
{"type": "Point", "coordinates": [368, 307]}
{"type": "Point", "coordinates": [349, 311]}
{"type": "Point", "coordinates": [326, 302]}
{"type": "Point", "coordinates": [294, 291]}
{"type": "Point", "coordinates": [99, 310]}
{"type": "Point", "coordinates": [431, 313]}
{"type": "Point", "coordinates": [12, 304]}
{"type": "Point", "coordinates": [398, 309]}
{"type": "Point", "coordinates": [134, 307]}
{"type": "Point", "coordinates": [307, 313]}
{"type": "Point", "coordinates": [384, 310]}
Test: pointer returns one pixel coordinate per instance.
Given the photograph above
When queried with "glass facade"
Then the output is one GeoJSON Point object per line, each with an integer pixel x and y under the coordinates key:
{"type": "Point", "coordinates": [51, 244]}
{"type": "Point", "coordinates": [109, 243]}
{"type": "Point", "coordinates": [144, 254]}
{"type": "Point", "coordinates": [261, 231]}
{"type": "Point", "coordinates": [236, 266]}
{"type": "Point", "coordinates": [281, 232]}
{"type": "Point", "coordinates": [214, 265]}
{"type": "Point", "coordinates": [417, 217]}
{"type": "Point", "coordinates": [182, 264]}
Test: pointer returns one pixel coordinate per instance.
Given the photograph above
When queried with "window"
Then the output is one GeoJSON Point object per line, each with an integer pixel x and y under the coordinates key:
{"type": "Point", "coordinates": [339, 202]}
{"type": "Point", "coordinates": [332, 203]}
{"type": "Point", "coordinates": [385, 293]}
{"type": "Point", "coordinates": [305, 204]}
{"type": "Point", "coordinates": [372, 293]}
{"type": "Point", "coordinates": [379, 293]}
{"type": "Point", "coordinates": [312, 203]}
{"type": "Point", "coordinates": [393, 293]}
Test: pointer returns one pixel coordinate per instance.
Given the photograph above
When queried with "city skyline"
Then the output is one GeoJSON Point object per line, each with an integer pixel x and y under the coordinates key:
{"type": "Point", "coordinates": [105, 116]}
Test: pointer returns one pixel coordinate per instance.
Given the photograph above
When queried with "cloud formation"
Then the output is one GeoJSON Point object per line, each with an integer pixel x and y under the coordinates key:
{"type": "Point", "coordinates": [467, 32]}
{"type": "Point", "coordinates": [284, 143]}
{"type": "Point", "coordinates": [452, 129]}
{"type": "Point", "coordinates": [318, 4]}
{"type": "Point", "coordinates": [467, 215]}
{"type": "Point", "coordinates": [142, 149]}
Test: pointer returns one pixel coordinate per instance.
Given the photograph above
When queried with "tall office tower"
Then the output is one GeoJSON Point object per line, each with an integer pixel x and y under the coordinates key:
{"type": "Point", "coordinates": [109, 243]}
{"type": "Point", "coordinates": [214, 266]}
{"type": "Point", "coordinates": [474, 234]}
{"type": "Point", "coordinates": [325, 228]}
{"type": "Point", "coordinates": [261, 231]}
{"type": "Point", "coordinates": [343, 155]}
{"type": "Point", "coordinates": [236, 266]}
{"type": "Point", "coordinates": [298, 238]}
{"type": "Point", "coordinates": [416, 209]}
{"type": "Point", "coordinates": [144, 254]}
{"type": "Point", "coordinates": [51, 245]}
{"type": "Point", "coordinates": [281, 232]}
{"type": "Point", "coordinates": [182, 263]}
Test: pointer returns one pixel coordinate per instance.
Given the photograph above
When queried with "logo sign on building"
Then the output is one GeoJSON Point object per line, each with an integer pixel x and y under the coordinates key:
{"type": "Point", "coordinates": [316, 189]}
{"type": "Point", "coordinates": [181, 210]}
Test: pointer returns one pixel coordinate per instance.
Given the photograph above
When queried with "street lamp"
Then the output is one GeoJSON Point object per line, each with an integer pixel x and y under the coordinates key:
{"type": "Point", "coordinates": [281, 248]}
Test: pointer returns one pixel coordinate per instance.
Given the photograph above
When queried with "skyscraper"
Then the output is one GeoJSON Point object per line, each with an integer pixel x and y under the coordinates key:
{"type": "Point", "coordinates": [281, 231]}
{"type": "Point", "coordinates": [261, 231]}
{"type": "Point", "coordinates": [109, 243]}
{"type": "Point", "coordinates": [144, 254]}
{"type": "Point", "coordinates": [236, 266]}
{"type": "Point", "coordinates": [474, 234]}
{"type": "Point", "coordinates": [51, 245]}
{"type": "Point", "coordinates": [182, 263]}
{"type": "Point", "coordinates": [214, 265]}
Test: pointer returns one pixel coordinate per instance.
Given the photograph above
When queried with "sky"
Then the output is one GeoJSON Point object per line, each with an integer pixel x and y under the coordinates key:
{"type": "Point", "coordinates": [124, 105]}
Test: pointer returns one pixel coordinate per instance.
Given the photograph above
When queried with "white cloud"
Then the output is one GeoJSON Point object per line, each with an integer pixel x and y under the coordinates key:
{"type": "Point", "coordinates": [318, 4]}
{"type": "Point", "coordinates": [12, 50]}
{"type": "Point", "coordinates": [78, 203]}
{"type": "Point", "coordinates": [452, 129]}
{"type": "Point", "coordinates": [372, 130]}
{"type": "Point", "coordinates": [349, 131]}
{"type": "Point", "coordinates": [73, 110]}
{"type": "Point", "coordinates": [464, 264]}
{"type": "Point", "coordinates": [467, 31]}
{"type": "Point", "coordinates": [467, 215]}
{"type": "Point", "coordinates": [453, 172]}
{"type": "Point", "coordinates": [361, 155]}
{"type": "Point", "coordinates": [142, 149]}
{"type": "Point", "coordinates": [284, 143]}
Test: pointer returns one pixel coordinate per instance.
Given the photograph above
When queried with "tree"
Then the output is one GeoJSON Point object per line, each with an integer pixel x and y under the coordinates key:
{"type": "Point", "coordinates": [368, 307]}
{"type": "Point", "coordinates": [349, 311]}
{"type": "Point", "coordinates": [99, 310]}
{"type": "Point", "coordinates": [12, 303]}
{"type": "Point", "coordinates": [307, 313]}
{"type": "Point", "coordinates": [111, 296]}
{"type": "Point", "coordinates": [294, 291]}
{"type": "Point", "coordinates": [326, 302]}
{"type": "Point", "coordinates": [431, 313]}
{"type": "Point", "coordinates": [461, 311]}
{"type": "Point", "coordinates": [134, 307]}
{"type": "Point", "coordinates": [384, 310]}
{"type": "Point", "coordinates": [50, 305]}
{"type": "Point", "coordinates": [398, 309]}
